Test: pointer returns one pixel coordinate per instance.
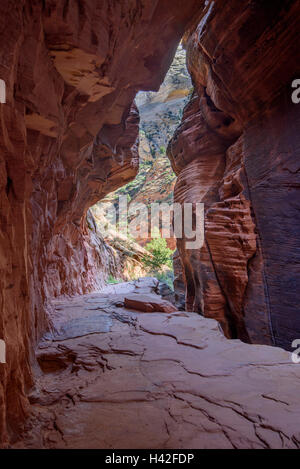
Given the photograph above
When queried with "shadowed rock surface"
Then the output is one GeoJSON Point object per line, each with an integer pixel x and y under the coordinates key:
{"type": "Point", "coordinates": [237, 151]}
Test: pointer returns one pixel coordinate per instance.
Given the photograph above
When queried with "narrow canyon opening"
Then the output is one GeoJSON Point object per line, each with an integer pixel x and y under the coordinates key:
{"type": "Point", "coordinates": [111, 340]}
{"type": "Point", "coordinates": [152, 189]}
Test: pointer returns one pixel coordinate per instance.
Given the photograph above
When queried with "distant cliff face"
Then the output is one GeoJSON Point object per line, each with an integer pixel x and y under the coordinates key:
{"type": "Point", "coordinates": [160, 114]}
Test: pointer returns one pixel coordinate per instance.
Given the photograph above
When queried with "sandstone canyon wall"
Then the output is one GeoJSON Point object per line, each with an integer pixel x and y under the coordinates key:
{"type": "Point", "coordinates": [68, 137]}
{"type": "Point", "coordinates": [237, 151]}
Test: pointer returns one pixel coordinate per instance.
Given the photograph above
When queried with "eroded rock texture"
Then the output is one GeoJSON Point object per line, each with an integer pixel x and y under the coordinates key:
{"type": "Point", "coordinates": [237, 151]}
{"type": "Point", "coordinates": [113, 377]}
{"type": "Point", "coordinates": [68, 137]}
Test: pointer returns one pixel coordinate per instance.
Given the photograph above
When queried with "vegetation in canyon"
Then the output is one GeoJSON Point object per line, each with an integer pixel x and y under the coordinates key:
{"type": "Point", "coordinates": [160, 114]}
{"type": "Point", "coordinates": [96, 365]}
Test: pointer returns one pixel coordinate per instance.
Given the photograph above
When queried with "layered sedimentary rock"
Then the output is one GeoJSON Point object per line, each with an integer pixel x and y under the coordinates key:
{"type": "Point", "coordinates": [68, 137]}
{"type": "Point", "coordinates": [237, 151]}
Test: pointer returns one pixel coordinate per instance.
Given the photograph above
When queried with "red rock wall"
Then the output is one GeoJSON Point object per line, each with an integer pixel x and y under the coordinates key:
{"type": "Point", "coordinates": [68, 137]}
{"type": "Point", "coordinates": [237, 151]}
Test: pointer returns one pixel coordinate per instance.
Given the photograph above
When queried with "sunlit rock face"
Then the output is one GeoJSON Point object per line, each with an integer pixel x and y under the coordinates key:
{"type": "Point", "coordinates": [160, 114]}
{"type": "Point", "coordinates": [68, 137]}
{"type": "Point", "coordinates": [236, 151]}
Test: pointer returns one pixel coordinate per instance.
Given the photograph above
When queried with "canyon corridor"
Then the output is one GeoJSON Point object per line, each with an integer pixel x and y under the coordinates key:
{"type": "Point", "coordinates": [85, 365]}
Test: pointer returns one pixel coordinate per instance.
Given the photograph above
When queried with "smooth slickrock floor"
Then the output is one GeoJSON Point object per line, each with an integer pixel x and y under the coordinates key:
{"type": "Point", "coordinates": [115, 378]}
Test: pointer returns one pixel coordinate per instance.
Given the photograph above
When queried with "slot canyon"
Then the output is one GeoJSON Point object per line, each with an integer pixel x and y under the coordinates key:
{"type": "Point", "coordinates": [94, 365]}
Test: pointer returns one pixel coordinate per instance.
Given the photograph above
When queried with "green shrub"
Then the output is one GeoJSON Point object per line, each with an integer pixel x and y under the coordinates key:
{"type": "Point", "coordinates": [160, 256]}
{"type": "Point", "coordinates": [112, 280]}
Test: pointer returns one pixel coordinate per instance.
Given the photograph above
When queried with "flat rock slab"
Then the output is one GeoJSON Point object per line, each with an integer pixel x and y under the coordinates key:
{"type": "Point", "coordinates": [78, 327]}
{"type": "Point", "coordinates": [148, 303]}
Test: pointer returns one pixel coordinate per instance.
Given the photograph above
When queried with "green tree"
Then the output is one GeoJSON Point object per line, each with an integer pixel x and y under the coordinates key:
{"type": "Point", "coordinates": [160, 254]}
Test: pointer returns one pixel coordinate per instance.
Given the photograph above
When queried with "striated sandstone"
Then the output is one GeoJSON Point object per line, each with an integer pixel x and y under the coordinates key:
{"type": "Point", "coordinates": [236, 151]}
{"type": "Point", "coordinates": [68, 136]}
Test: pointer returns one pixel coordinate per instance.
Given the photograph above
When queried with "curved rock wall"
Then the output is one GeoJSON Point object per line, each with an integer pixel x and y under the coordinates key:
{"type": "Point", "coordinates": [236, 151]}
{"type": "Point", "coordinates": [68, 137]}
